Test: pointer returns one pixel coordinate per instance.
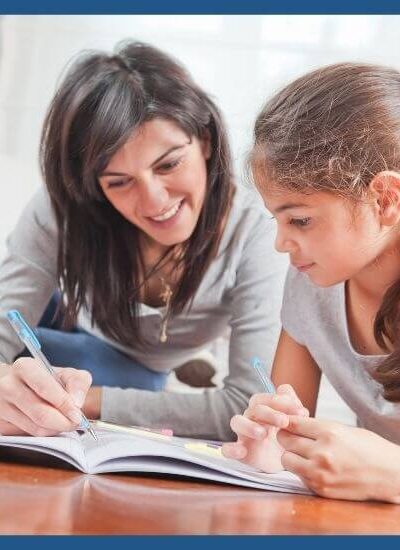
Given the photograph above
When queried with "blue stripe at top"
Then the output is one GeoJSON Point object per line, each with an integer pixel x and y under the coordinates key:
{"type": "Point", "coordinates": [199, 7]}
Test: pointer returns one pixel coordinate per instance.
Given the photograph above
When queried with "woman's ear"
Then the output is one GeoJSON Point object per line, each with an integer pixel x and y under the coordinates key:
{"type": "Point", "coordinates": [385, 190]}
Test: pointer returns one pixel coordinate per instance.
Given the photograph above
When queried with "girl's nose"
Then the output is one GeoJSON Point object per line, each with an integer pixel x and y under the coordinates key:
{"type": "Point", "coordinates": [283, 243]}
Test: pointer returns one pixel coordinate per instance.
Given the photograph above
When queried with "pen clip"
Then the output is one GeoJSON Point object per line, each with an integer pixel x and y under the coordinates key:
{"type": "Point", "coordinates": [22, 329]}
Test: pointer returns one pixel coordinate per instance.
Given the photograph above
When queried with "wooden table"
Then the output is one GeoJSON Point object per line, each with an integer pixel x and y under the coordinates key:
{"type": "Point", "coordinates": [48, 500]}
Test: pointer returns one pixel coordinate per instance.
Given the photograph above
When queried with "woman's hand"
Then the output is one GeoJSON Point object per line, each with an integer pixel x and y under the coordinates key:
{"type": "Point", "coordinates": [257, 429]}
{"type": "Point", "coordinates": [92, 406]}
{"type": "Point", "coordinates": [339, 461]}
{"type": "Point", "coordinates": [32, 402]}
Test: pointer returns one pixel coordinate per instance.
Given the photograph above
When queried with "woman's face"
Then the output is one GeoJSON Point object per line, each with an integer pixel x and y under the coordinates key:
{"type": "Point", "coordinates": [158, 181]}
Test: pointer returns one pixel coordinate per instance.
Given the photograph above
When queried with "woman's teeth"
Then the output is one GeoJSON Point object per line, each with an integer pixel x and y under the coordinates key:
{"type": "Point", "coordinates": [167, 215]}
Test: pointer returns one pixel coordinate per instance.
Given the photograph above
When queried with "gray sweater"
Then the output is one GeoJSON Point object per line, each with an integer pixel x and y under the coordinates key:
{"type": "Point", "coordinates": [242, 289]}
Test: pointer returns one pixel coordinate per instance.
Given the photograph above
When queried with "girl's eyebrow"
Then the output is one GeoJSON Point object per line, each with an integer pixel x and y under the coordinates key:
{"type": "Point", "coordinates": [170, 150]}
{"type": "Point", "coordinates": [289, 205]}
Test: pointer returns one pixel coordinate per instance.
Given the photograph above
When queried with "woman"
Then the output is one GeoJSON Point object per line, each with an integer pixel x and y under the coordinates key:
{"type": "Point", "coordinates": [154, 251]}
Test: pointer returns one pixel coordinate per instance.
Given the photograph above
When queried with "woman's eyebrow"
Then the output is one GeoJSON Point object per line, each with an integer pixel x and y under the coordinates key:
{"type": "Point", "coordinates": [170, 150]}
{"type": "Point", "coordinates": [174, 148]}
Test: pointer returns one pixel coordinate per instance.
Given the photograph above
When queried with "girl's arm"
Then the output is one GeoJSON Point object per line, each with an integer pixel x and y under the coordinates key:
{"type": "Point", "coordinates": [294, 365]}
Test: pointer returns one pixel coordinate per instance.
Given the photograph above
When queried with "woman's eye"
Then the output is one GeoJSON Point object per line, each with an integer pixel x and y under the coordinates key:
{"type": "Point", "coordinates": [300, 222]}
{"type": "Point", "coordinates": [167, 166]}
{"type": "Point", "coordinates": [117, 184]}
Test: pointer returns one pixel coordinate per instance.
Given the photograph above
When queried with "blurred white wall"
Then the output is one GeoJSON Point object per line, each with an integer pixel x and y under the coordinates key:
{"type": "Point", "coordinates": [240, 60]}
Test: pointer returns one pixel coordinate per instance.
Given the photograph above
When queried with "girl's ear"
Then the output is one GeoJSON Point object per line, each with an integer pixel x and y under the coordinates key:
{"type": "Point", "coordinates": [385, 190]}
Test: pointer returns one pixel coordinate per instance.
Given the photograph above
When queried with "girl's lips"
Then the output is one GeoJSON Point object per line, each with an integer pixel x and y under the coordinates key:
{"type": "Point", "coordinates": [303, 267]}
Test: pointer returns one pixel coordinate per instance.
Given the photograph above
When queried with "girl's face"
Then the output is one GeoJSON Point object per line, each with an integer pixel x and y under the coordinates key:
{"type": "Point", "coordinates": [158, 180]}
{"type": "Point", "coordinates": [327, 238]}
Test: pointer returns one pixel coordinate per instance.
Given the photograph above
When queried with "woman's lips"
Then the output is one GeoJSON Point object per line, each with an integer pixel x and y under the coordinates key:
{"type": "Point", "coordinates": [169, 222]}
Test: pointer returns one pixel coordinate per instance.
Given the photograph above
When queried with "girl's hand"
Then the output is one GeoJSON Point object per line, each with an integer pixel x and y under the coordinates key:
{"type": "Point", "coordinates": [339, 461]}
{"type": "Point", "coordinates": [32, 402]}
{"type": "Point", "coordinates": [258, 426]}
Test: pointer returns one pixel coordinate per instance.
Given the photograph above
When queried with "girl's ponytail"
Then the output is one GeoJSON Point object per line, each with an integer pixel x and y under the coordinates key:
{"type": "Point", "coordinates": [387, 329]}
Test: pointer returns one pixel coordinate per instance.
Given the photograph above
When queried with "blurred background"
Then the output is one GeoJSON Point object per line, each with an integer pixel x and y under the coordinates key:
{"type": "Point", "coordinates": [240, 60]}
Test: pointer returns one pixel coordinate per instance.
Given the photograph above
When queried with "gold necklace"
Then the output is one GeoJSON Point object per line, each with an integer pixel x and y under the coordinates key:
{"type": "Point", "coordinates": [166, 296]}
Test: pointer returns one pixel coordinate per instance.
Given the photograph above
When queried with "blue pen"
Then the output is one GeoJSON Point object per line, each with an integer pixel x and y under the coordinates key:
{"type": "Point", "coordinates": [260, 369]}
{"type": "Point", "coordinates": [28, 337]}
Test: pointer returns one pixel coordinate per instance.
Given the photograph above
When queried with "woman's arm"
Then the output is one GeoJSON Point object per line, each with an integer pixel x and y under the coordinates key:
{"type": "Point", "coordinates": [31, 401]}
{"type": "Point", "coordinates": [28, 272]}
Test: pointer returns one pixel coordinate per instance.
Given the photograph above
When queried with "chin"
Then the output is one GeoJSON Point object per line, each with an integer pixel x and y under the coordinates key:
{"type": "Point", "coordinates": [174, 239]}
{"type": "Point", "coordinates": [325, 282]}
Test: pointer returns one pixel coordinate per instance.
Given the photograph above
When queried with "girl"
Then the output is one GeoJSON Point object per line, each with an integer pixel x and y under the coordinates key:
{"type": "Point", "coordinates": [154, 251]}
{"type": "Point", "coordinates": [327, 163]}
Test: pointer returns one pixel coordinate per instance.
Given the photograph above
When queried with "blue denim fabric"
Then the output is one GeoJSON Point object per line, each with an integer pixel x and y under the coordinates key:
{"type": "Point", "coordinates": [78, 349]}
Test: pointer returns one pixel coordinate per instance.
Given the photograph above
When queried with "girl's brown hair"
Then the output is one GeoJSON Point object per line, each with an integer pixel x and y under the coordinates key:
{"type": "Point", "coordinates": [102, 100]}
{"type": "Point", "coordinates": [333, 130]}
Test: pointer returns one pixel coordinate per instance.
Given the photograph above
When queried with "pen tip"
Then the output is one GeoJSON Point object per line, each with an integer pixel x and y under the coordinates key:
{"type": "Point", "coordinates": [93, 434]}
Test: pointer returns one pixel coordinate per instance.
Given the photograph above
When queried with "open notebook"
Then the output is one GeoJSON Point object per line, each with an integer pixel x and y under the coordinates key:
{"type": "Point", "coordinates": [125, 449]}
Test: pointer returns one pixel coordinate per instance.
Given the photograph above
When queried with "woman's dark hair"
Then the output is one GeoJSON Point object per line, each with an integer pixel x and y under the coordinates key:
{"type": "Point", "coordinates": [102, 100]}
{"type": "Point", "coordinates": [333, 130]}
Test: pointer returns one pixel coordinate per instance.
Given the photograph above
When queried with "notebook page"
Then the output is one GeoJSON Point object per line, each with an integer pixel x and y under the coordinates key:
{"type": "Point", "coordinates": [125, 452]}
{"type": "Point", "coordinates": [66, 447]}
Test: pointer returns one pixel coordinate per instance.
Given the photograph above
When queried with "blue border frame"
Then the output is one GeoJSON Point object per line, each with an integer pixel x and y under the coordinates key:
{"type": "Point", "coordinates": [199, 7]}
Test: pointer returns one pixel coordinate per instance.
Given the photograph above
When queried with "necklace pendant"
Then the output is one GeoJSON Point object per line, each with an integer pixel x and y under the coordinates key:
{"type": "Point", "coordinates": [163, 333]}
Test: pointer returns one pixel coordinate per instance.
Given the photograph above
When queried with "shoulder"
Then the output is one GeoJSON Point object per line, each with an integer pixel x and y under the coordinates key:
{"type": "Point", "coordinates": [36, 222]}
{"type": "Point", "coordinates": [249, 222]}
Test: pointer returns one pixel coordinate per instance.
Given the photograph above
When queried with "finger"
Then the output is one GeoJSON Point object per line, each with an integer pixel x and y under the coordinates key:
{"type": "Point", "coordinates": [296, 464]}
{"type": "Point", "coordinates": [77, 383]}
{"type": "Point", "coordinates": [6, 428]}
{"type": "Point", "coordinates": [260, 399]}
{"type": "Point", "coordinates": [307, 427]}
{"type": "Point", "coordinates": [288, 390]}
{"type": "Point", "coordinates": [237, 450]}
{"type": "Point", "coordinates": [243, 426]}
{"type": "Point", "coordinates": [16, 393]}
{"type": "Point", "coordinates": [280, 402]}
{"type": "Point", "coordinates": [266, 415]}
{"type": "Point", "coordinates": [13, 416]}
{"type": "Point", "coordinates": [46, 387]}
{"type": "Point", "coordinates": [301, 446]}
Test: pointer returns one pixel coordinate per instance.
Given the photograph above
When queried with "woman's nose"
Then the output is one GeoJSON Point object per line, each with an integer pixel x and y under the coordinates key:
{"type": "Point", "coordinates": [153, 198]}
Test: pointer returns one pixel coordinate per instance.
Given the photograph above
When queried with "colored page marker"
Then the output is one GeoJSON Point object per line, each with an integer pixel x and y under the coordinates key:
{"type": "Point", "coordinates": [205, 449]}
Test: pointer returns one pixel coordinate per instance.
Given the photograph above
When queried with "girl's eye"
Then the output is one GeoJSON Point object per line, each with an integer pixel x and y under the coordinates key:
{"type": "Point", "coordinates": [168, 166]}
{"type": "Point", "coordinates": [300, 222]}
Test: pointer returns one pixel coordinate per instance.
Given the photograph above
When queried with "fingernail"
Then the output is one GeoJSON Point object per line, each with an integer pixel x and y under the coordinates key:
{"type": "Point", "coordinates": [78, 398]}
{"type": "Point", "coordinates": [75, 416]}
{"type": "Point", "coordinates": [304, 412]}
